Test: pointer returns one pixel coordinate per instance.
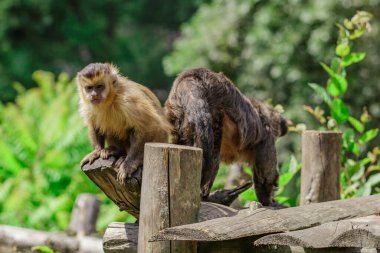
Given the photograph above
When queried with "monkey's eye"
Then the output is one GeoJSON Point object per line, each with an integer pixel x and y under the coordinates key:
{"type": "Point", "coordinates": [88, 88]}
{"type": "Point", "coordinates": [99, 87]}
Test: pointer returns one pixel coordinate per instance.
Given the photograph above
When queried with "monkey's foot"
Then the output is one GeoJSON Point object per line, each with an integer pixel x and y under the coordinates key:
{"type": "Point", "coordinates": [90, 158]}
{"type": "Point", "coordinates": [107, 152]}
{"type": "Point", "coordinates": [126, 170]}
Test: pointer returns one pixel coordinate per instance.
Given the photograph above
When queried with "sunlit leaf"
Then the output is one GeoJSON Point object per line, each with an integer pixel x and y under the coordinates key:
{"type": "Point", "coordinates": [342, 50]}
{"type": "Point", "coordinates": [368, 135]}
{"type": "Point", "coordinates": [339, 111]}
{"type": "Point", "coordinates": [42, 249]}
{"type": "Point", "coordinates": [356, 124]}
{"type": "Point", "coordinates": [352, 58]}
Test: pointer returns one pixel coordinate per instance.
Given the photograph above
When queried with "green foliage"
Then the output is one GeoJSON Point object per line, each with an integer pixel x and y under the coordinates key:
{"type": "Point", "coordinates": [67, 35]}
{"type": "Point", "coordinates": [43, 249]}
{"type": "Point", "coordinates": [360, 170]}
{"type": "Point", "coordinates": [267, 49]}
{"type": "Point", "coordinates": [43, 140]}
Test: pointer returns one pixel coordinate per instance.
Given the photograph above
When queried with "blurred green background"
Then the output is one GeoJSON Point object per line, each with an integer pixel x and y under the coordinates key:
{"type": "Point", "coordinates": [270, 50]}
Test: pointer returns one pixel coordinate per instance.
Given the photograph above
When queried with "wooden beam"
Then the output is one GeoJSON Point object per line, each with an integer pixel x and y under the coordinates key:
{"type": "Point", "coordinates": [264, 221]}
{"type": "Point", "coordinates": [170, 194]}
{"type": "Point", "coordinates": [126, 197]}
{"type": "Point", "coordinates": [120, 236]}
{"type": "Point", "coordinates": [320, 166]}
{"type": "Point", "coordinates": [361, 232]}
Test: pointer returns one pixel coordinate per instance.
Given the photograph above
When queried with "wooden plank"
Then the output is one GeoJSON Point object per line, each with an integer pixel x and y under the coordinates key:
{"type": "Point", "coordinates": [185, 165]}
{"type": "Point", "coordinates": [264, 221]}
{"type": "Point", "coordinates": [84, 215]}
{"type": "Point", "coordinates": [170, 194]}
{"type": "Point", "coordinates": [320, 166]}
{"type": "Point", "coordinates": [154, 206]}
{"type": "Point", "coordinates": [122, 237]}
{"type": "Point", "coordinates": [359, 232]}
{"type": "Point", "coordinates": [126, 197]}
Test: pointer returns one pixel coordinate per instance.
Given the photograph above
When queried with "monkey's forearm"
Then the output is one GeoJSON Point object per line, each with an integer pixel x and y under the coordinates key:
{"type": "Point", "coordinates": [96, 138]}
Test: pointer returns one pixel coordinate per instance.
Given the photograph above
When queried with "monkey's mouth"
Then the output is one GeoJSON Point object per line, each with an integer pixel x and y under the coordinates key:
{"type": "Point", "coordinates": [96, 101]}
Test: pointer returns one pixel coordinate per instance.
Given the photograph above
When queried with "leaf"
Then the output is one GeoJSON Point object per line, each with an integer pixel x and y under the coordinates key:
{"type": "Point", "coordinates": [356, 124]}
{"type": "Point", "coordinates": [337, 85]}
{"type": "Point", "coordinates": [328, 69]}
{"type": "Point", "coordinates": [368, 135]}
{"type": "Point", "coordinates": [339, 111]}
{"type": "Point", "coordinates": [322, 93]}
{"type": "Point", "coordinates": [43, 249]}
{"type": "Point", "coordinates": [342, 50]}
{"type": "Point", "coordinates": [352, 58]}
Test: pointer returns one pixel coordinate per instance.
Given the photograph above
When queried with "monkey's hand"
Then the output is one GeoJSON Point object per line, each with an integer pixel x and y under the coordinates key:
{"type": "Point", "coordinates": [91, 157]}
{"type": "Point", "coordinates": [107, 152]}
{"type": "Point", "coordinates": [126, 169]}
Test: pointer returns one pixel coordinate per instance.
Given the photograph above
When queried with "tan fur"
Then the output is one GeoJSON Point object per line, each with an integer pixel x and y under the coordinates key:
{"type": "Point", "coordinates": [129, 114]}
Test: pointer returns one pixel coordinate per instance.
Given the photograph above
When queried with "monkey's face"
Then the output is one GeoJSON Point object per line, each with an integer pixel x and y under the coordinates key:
{"type": "Point", "coordinates": [95, 82]}
{"type": "Point", "coordinates": [95, 93]}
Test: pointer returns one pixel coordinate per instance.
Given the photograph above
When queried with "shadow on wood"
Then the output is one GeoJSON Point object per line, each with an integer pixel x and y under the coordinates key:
{"type": "Point", "coordinates": [103, 174]}
{"type": "Point", "coordinates": [127, 198]}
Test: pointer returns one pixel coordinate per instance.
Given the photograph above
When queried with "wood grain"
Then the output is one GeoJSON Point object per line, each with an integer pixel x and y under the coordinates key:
{"type": "Point", "coordinates": [126, 197]}
{"type": "Point", "coordinates": [359, 232]}
{"type": "Point", "coordinates": [265, 221]}
{"type": "Point", "coordinates": [320, 166]}
{"type": "Point", "coordinates": [170, 194]}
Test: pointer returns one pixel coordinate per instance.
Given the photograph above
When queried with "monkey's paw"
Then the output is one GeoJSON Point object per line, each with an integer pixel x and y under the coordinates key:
{"type": "Point", "coordinates": [107, 152]}
{"type": "Point", "coordinates": [126, 170]}
{"type": "Point", "coordinates": [90, 158]}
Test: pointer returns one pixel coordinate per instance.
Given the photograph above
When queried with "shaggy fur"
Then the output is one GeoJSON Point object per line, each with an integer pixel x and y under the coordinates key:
{"type": "Point", "coordinates": [207, 111]}
{"type": "Point", "coordinates": [127, 116]}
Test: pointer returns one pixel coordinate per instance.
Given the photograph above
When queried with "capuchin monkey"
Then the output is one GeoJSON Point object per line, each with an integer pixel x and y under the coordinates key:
{"type": "Point", "coordinates": [121, 113]}
{"type": "Point", "coordinates": [207, 111]}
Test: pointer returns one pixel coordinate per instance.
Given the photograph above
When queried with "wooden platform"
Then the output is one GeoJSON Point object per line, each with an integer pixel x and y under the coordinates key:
{"type": "Point", "coordinates": [322, 227]}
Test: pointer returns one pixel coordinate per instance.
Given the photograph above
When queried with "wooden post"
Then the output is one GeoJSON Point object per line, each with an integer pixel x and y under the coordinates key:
{"type": "Point", "coordinates": [84, 215]}
{"type": "Point", "coordinates": [170, 194]}
{"type": "Point", "coordinates": [320, 166]}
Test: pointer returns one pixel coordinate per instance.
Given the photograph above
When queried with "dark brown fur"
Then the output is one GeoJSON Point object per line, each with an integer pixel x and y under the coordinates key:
{"type": "Point", "coordinates": [206, 110]}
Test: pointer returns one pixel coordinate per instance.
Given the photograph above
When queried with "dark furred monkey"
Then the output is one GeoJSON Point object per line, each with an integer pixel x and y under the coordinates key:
{"type": "Point", "coordinates": [206, 110]}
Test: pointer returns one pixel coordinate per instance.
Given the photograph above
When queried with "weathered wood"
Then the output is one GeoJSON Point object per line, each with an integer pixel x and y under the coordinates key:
{"type": "Point", "coordinates": [320, 166]}
{"type": "Point", "coordinates": [121, 237]}
{"type": "Point", "coordinates": [103, 174]}
{"type": "Point", "coordinates": [359, 232]}
{"type": "Point", "coordinates": [264, 221]}
{"type": "Point", "coordinates": [170, 194]}
{"type": "Point", "coordinates": [84, 215]}
{"type": "Point", "coordinates": [22, 240]}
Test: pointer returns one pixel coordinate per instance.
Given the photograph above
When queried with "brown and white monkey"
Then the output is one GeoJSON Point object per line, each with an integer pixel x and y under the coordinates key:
{"type": "Point", "coordinates": [121, 113]}
{"type": "Point", "coordinates": [207, 111]}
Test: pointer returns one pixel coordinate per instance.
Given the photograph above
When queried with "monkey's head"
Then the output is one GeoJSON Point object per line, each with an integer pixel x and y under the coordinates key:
{"type": "Point", "coordinates": [96, 82]}
{"type": "Point", "coordinates": [278, 123]}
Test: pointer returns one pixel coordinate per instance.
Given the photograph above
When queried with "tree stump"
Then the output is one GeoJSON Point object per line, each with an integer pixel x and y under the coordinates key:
{"type": "Point", "coordinates": [320, 166]}
{"type": "Point", "coordinates": [170, 194]}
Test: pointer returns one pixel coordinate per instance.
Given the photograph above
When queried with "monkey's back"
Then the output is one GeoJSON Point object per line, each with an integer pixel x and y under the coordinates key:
{"type": "Point", "coordinates": [203, 95]}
